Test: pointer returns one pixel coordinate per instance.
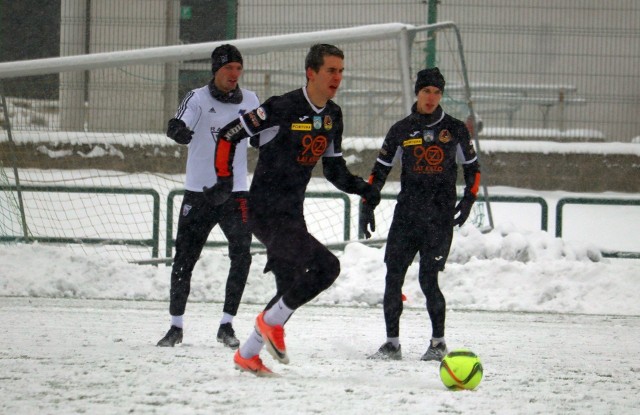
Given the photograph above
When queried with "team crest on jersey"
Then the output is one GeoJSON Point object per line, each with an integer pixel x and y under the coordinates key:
{"type": "Point", "coordinates": [186, 209]}
{"type": "Point", "coordinates": [444, 136]}
{"type": "Point", "coordinates": [429, 136]}
{"type": "Point", "coordinates": [260, 112]}
{"type": "Point", "coordinates": [317, 122]}
{"type": "Point", "coordinates": [328, 122]}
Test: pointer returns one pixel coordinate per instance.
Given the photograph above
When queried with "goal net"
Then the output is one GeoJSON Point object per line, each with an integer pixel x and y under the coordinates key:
{"type": "Point", "coordinates": [84, 159]}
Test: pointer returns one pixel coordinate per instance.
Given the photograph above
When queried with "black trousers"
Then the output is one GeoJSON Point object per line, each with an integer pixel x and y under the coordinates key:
{"type": "Point", "coordinates": [303, 267]}
{"type": "Point", "coordinates": [407, 237]}
{"type": "Point", "coordinates": [197, 219]}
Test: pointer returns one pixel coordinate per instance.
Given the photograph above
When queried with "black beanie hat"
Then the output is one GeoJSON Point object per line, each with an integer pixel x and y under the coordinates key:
{"type": "Point", "coordinates": [429, 77]}
{"type": "Point", "coordinates": [224, 54]}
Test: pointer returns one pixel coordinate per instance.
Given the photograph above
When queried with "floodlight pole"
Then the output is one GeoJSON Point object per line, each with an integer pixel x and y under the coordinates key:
{"type": "Point", "coordinates": [430, 49]}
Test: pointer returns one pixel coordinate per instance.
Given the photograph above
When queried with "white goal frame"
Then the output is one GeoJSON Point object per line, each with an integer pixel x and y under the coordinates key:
{"type": "Point", "coordinates": [404, 36]}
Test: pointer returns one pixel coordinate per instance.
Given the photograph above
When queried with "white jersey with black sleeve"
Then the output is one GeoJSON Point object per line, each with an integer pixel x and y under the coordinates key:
{"type": "Point", "coordinates": [205, 115]}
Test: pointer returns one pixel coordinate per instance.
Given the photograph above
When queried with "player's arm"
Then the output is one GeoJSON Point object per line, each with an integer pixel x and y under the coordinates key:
{"type": "Point", "coordinates": [336, 171]}
{"type": "Point", "coordinates": [247, 125]}
{"type": "Point", "coordinates": [471, 170]}
{"type": "Point", "coordinates": [470, 165]}
{"type": "Point", "coordinates": [188, 114]}
{"type": "Point", "coordinates": [377, 179]}
{"type": "Point", "coordinates": [384, 160]}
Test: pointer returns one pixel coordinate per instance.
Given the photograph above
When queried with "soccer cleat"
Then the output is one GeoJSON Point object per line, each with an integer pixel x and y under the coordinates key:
{"type": "Point", "coordinates": [173, 336]}
{"type": "Point", "coordinates": [253, 365]}
{"type": "Point", "coordinates": [227, 336]}
{"type": "Point", "coordinates": [387, 352]}
{"type": "Point", "coordinates": [437, 352]}
{"type": "Point", "coordinates": [273, 338]}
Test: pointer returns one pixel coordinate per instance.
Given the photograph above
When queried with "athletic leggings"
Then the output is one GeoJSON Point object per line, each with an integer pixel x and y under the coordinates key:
{"type": "Point", "coordinates": [197, 219]}
{"type": "Point", "coordinates": [432, 241]}
{"type": "Point", "coordinates": [302, 266]}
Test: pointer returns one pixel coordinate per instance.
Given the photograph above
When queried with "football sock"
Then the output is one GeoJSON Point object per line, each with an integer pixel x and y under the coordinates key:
{"type": "Point", "coordinates": [278, 314]}
{"type": "Point", "coordinates": [226, 318]}
{"type": "Point", "coordinates": [176, 321]}
{"type": "Point", "coordinates": [437, 340]}
{"type": "Point", "coordinates": [394, 340]}
{"type": "Point", "coordinates": [252, 346]}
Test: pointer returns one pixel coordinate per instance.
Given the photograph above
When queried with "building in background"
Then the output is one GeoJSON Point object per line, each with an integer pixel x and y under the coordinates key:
{"type": "Point", "coordinates": [566, 68]}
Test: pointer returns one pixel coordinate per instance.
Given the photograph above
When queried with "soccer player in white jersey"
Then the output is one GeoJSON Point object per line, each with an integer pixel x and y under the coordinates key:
{"type": "Point", "coordinates": [201, 114]}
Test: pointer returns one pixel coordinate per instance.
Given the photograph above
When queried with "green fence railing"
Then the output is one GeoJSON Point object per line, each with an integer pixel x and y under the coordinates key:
{"type": "Point", "coordinates": [153, 242]}
{"type": "Point", "coordinates": [544, 208]}
{"type": "Point", "coordinates": [544, 211]}
{"type": "Point", "coordinates": [171, 241]}
{"type": "Point", "coordinates": [595, 201]}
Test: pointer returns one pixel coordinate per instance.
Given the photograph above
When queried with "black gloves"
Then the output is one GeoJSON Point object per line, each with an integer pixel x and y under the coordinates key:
{"type": "Point", "coordinates": [464, 207]}
{"type": "Point", "coordinates": [366, 220]}
{"type": "Point", "coordinates": [177, 130]}
{"type": "Point", "coordinates": [371, 196]}
{"type": "Point", "coordinates": [220, 192]}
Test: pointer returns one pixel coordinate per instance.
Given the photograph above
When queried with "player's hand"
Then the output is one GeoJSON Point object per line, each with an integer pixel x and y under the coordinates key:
{"type": "Point", "coordinates": [371, 196]}
{"type": "Point", "coordinates": [220, 192]}
{"type": "Point", "coordinates": [178, 131]}
{"type": "Point", "coordinates": [367, 220]}
{"type": "Point", "coordinates": [464, 209]}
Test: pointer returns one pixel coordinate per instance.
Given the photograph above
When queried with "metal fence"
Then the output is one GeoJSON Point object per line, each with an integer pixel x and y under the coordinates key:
{"type": "Point", "coordinates": [540, 69]}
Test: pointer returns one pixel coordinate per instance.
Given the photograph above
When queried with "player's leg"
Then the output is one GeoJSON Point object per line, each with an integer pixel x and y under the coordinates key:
{"type": "Point", "coordinates": [432, 261]}
{"type": "Point", "coordinates": [399, 254]}
{"type": "Point", "coordinates": [268, 230]}
{"type": "Point", "coordinates": [194, 224]}
{"type": "Point", "coordinates": [317, 268]}
{"type": "Point", "coordinates": [304, 268]}
{"type": "Point", "coordinates": [234, 225]}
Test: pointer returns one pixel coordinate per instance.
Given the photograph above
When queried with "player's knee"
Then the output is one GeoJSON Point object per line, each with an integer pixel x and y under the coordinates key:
{"type": "Point", "coordinates": [327, 270]}
{"type": "Point", "coordinates": [333, 266]}
{"type": "Point", "coordinates": [392, 287]}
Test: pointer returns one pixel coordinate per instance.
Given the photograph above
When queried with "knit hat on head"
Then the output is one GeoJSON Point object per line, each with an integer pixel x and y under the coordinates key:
{"type": "Point", "coordinates": [429, 77]}
{"type": "Point", "coordinates": [224, 54]}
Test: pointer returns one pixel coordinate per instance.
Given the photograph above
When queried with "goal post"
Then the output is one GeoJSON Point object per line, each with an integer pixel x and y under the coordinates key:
{"type": "Point", "coordinates": [121, 142]}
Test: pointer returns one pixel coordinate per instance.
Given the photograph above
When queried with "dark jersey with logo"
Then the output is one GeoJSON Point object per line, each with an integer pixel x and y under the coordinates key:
{"type": "Point", "coordinates": [429, 146]}
{"type": "Point", "coordinates": [292, 135]}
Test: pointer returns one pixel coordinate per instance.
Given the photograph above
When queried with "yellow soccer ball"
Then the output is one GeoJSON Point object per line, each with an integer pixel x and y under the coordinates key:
{"type": "Point", "coordinates": [461, 369]}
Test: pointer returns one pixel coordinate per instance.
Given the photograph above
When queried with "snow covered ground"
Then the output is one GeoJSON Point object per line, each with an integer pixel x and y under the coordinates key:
{"type": "Point", "coordinates": [62, 356]}
{"type": "Point", "coordinates": [557, 328]}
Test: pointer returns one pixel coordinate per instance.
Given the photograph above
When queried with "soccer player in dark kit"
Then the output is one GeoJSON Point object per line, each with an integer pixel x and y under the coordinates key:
{"type": "Point", "coordinates": [430, 144]}
{"type": "Point", "coordinates": [296, 130]}
{"type": "Point", "coordinates": [201, 114]}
